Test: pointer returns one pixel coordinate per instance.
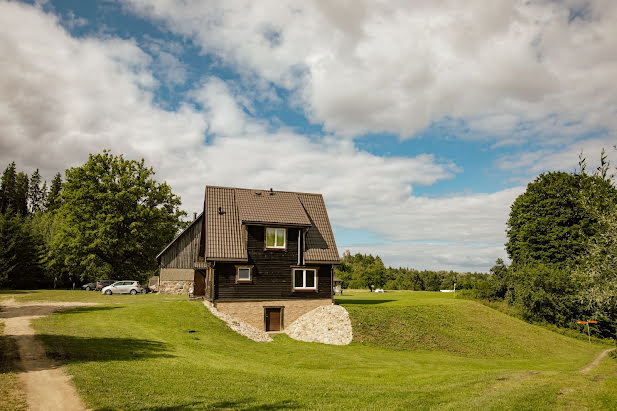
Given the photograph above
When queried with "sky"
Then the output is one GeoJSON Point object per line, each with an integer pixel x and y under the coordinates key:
{"type": "Point", "coordinates": [420, 122]}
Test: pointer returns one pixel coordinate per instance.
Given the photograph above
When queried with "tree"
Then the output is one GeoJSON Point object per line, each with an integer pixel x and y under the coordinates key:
{"type": "Point", "coordinates": [36, 193]}
{"type": "Point", "coordinates": [21, 193]}
{"type": "Point", "coordinates": [7, 188]}
{"type": "Point", "coordinates": [549, 224]}
{"type": "Point", "coordinates": [53, 197]}
{"type": "Point", "coordinates": [20, 259]}
{"type": "Point", "coordinates": [113, 219]}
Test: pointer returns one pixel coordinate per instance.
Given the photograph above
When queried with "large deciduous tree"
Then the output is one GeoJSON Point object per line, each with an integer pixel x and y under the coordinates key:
{"type": "Point", "coordinates": [549, 222]}
{"type": "Point", "coordinates": [113, 219]}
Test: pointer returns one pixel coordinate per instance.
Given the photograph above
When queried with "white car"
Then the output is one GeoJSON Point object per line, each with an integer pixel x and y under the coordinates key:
{"type": "Point", "coordinates": [122, 287]}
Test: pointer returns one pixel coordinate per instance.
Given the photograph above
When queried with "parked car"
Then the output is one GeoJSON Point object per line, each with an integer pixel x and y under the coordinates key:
{"type": "Point", "coordinates": [122, 287]}
{"type": "Point", "coordinates": [100, 284]}
{"type": "Point", "coordinates": [97, 285]}
{"type": "Point", "coordinates": [89, 287]}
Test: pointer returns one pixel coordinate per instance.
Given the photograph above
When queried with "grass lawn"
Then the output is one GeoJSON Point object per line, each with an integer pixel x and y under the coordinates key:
{"type": "Point", "coordinates": [411, 350]}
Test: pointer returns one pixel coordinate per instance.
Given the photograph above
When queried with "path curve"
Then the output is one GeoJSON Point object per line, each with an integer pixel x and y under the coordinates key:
{"type": "Point", "coordinates": [46, 386]}
{"type": "Point", "coordinates": [596, 361]}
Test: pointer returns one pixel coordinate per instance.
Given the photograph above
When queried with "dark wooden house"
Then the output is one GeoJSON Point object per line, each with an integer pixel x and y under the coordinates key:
{"type": "Point", "coordinates": [262, 256]}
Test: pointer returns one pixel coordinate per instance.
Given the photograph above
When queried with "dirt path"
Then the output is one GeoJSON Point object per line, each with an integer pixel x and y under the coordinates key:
{"type": "Point", "coordinates": [596, 361]}
{"type": "Point", "coordinates": [46, 386]}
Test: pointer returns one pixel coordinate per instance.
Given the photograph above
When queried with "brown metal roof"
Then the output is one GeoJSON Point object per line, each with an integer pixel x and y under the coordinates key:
{"type": "Point", "coordinates": [225, 238]}
{"type": "Point", "coordinates": [270, 207]}
{"type": "Point", "coordinates": [320, 244]}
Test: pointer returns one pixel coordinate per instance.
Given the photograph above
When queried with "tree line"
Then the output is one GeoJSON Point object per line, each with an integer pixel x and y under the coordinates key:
{"type": "Point", "coordinates": [366, 271]}
{"type": "Point", "coordinates": [107, 219]}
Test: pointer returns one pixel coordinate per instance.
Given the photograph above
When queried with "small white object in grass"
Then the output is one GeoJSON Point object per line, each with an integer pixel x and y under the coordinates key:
{"type": "Point", "coordinates": [379, 290]}
{"type": "Point", "coordinates": [447, 291]}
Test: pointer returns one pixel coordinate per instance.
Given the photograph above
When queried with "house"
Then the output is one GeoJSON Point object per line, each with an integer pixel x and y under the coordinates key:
{"type": "Point", "coordinates": [264, 257]}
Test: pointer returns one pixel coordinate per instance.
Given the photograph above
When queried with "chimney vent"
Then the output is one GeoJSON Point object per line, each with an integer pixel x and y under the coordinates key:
{"type": "Point", "coordinates": [194, 216]}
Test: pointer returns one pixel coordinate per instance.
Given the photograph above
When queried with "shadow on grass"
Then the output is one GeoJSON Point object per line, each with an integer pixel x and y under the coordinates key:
{"type": "Point", "coordinates": [71, 349]}
{"type": "Point", "coordinates": [363, 302]}
{"type": "Point", "coordinates": [47, 309]}
{"type": "Point", "coordinates": [15, 292]}
{"type": "Point", "coordinates": [246, 404]}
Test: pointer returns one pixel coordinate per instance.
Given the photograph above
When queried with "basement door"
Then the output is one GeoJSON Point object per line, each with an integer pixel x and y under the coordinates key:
{"type": "Point", "coordinates": [273, 317]}
{"type": "Point", "coordinates": [199, 283]}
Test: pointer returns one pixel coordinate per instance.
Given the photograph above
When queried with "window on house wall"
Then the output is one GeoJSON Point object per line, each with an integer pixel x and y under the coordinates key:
{"type": "Point", "coordinates": [276, 237]}
{"type": "Point", "coordinates": [305, 279]}
{"type": "Point", "coordinates": [243, 274]}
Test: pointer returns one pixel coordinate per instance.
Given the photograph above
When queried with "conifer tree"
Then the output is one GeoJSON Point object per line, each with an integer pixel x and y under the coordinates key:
{"type": "Point", "coordinates": [7, 188]}
{"type": "Point", "coordinates": [36, 193]}
{"type": "Point", "coordinates": [22, 183]}
{"type": "Point", "coordinates": [53, 197]}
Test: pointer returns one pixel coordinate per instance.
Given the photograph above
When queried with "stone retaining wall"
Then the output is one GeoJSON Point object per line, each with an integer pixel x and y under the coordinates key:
{"type": "Point", "coordinates": [328, 325]}
{"type": "Point", "coordinates": [252, 312]}
{"type": "Point", "coordinates": [175, 287]}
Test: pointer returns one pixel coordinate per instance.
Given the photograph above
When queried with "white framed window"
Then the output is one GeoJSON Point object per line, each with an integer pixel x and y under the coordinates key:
{"type": "Point", "coordinates": [244, 273]}
{"type": "Point", "coordinates": [305, 279]}
{"type": "Point", "coordinates": [276, 237]}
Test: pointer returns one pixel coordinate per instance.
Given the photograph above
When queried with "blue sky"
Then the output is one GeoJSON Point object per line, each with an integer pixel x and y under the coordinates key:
{"type": "Point", "coordinates": [420, 123]}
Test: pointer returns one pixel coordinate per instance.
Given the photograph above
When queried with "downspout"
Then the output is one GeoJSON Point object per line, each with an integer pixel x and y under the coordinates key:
{"type": "Point", "coordinates": [299, 249]}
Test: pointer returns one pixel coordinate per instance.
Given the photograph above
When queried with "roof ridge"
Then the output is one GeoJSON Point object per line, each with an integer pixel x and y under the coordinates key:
{"type": "Point", "coordinates": [264, 189]}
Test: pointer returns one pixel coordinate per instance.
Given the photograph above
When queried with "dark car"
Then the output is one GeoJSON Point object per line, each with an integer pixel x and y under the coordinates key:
{"type": "Point", "coordinates": [96, 285]}
{"type": "Point", "coordinates": [89, 286]}
{"type": "Point", "coordinates": [103, 283]}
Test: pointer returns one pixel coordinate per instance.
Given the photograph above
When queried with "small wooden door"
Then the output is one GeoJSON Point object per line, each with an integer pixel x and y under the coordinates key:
{"type": "Point", "coordinates": [273, 319]}
{"type": "Point", "coordinates": [199, 287]}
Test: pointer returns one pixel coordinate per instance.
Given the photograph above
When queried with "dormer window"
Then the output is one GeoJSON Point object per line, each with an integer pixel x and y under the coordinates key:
{"type": "Point", "coordinates": [276, 238]}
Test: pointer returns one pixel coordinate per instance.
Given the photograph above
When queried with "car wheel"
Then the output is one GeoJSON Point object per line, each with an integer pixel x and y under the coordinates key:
{"type": "Point", "coordinates": [88, 288]}
{"type": "Point", "coordinates": [107, 292]}
{"type": "Point", "coordinates": [133, 292]}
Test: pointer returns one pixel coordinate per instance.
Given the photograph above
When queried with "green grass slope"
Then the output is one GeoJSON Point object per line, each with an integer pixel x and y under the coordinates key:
{"type": "Point", "coordinates": [134, 352]}
{"type": "Point", "coordinates": [439, 322]}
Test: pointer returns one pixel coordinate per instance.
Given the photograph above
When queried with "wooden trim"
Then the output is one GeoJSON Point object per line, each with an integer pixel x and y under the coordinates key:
{"type": "Point", "coordinates": [275, 248]}
{"type": "Point", "coordinates": [249, 281]}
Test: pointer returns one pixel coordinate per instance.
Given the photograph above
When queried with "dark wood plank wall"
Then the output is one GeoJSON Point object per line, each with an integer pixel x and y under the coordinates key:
{"type": "Point", "coordinates": [185, 250]}
{"type": "Point", "coordinates": [271, 275]}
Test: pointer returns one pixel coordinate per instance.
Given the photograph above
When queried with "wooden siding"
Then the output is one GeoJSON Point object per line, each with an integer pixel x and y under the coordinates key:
{"type": "Point", "coordinates": [184, 250]}
{"type": "Point", "coordinates": [272, 272]}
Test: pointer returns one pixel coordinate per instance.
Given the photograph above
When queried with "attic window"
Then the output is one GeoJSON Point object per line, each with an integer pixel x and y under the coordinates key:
{"type": "Point", "coordinates": [276, 237]}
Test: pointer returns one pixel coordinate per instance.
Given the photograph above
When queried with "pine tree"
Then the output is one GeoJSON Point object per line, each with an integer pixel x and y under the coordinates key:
{"type": "Point", "coordinates": [22, 183]}
{"type": "Point", "coordinates": [7, 188]}
{"type": "Point", "coordinates": [36, 193]}
{"type": "Point", "coordinates": [53, 197]}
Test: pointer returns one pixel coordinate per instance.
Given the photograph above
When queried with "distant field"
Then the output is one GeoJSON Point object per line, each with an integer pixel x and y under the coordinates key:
{"type": "Point", "coordinates": [411, 350]}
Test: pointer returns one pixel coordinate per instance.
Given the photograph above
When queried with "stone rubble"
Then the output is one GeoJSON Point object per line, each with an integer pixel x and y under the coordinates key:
{"type": "Point", "coordinates": [240, 327]}
{"type": "Point", "coordinates": [327, 324]}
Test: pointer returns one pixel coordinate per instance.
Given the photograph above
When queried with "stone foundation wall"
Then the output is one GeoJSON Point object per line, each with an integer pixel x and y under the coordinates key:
{"type": "Point", "coordinates": [175, 287]}
{"type": "Point", "coordinates": [177, 274]}
{"type": "Point", "coordinates": [252, 312]}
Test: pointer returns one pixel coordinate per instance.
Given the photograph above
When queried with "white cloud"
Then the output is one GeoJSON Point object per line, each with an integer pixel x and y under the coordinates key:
{"type": "Point", "coordinates": [532, 67]}
{"type": "Point", "coordinates": [563, 158]}
{"type": "Point", "coordinates": [62, 98]}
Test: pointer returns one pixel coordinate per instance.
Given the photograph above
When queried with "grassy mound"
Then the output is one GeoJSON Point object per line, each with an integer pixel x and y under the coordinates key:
{"type": "Point", "coordinates": [135, 353]}
{"type": "Point", "coordinates": [437, 321]}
